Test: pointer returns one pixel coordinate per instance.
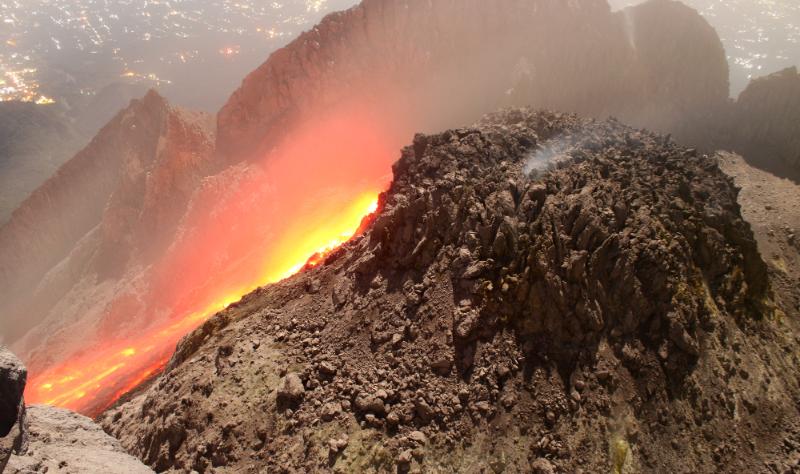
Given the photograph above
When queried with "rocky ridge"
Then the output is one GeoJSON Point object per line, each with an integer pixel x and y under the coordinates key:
{"type": "Point", "coordinates": [609, 313]}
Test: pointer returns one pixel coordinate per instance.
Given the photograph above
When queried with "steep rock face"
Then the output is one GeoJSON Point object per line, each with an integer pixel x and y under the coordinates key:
{"type": "Point", "coordinates": [444, 60]}
{"type": "Point", "coordinates": [608, 313]}
{"type": "Point", "coordinates": [12, 406]}
{"type": "Point", "coordinates": [64, 209]}
{"type": "Point", "coordinates": [766, 123]}
{"type": "Point", "coordinates": [139, 169]}
{"type": "Point", "coordinates": [152, 194]}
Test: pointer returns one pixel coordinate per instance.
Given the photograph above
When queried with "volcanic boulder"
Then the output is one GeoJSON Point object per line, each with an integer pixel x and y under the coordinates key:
{"type": "Point", "coordinates": [12, 405]}
{"type": "Point", "coordinates": [610, 312]}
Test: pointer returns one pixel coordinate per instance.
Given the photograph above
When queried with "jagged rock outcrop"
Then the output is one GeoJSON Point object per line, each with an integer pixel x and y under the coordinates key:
{"type": "Point", "coordinates": [151, 196]}
{"type": "Point", "coordinates": [766, 124]}
{"type": "Point", "coordinates": [608, 313]}
{"type": "Point", "coordinates": [126, 187]}
{"type": "Point", "coordinates": [12, 405]}
{"type": "Point", "coordinates": [445, 62]}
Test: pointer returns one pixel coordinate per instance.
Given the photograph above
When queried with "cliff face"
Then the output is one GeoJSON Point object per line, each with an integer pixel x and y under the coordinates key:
{"type": "Point", "coordinates": [608, 314]}
{"type": "Point", "coordinates": [448, 61]}
{"type": "Point", "coordinates": [151, 196]}
{"type": "Point", "coordinates": [683, 84]}
{"type": "Point", "coordinates": [766, 124]}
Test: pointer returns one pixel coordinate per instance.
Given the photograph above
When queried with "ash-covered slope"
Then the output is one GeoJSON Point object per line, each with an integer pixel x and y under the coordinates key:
{"type": "Point", "coordinates": [610, 314]}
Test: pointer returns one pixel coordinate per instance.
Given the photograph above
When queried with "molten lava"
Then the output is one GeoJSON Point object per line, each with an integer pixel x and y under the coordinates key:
{"type": "Point", "coordinates": [252, 224]}
{"type": "Point", "coordinates": [91, 382]}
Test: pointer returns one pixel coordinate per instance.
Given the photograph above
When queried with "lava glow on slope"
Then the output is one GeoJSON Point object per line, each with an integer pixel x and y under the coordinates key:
{"type": "Point", "coordinates": [252, 224]}
{"type": "Point", "coordinates": [91, 382]}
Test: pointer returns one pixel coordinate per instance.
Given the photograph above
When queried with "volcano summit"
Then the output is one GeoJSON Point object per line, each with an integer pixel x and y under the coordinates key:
{"type": "Point", "coordinates": [612, 311]}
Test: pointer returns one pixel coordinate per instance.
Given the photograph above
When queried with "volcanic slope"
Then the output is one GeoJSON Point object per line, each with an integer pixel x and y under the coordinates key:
{"type": "Point", "coordinates": [610, 313]}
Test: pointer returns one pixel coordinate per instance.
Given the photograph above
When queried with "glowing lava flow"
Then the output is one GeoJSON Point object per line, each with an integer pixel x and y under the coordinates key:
{"type": "Point", "coordinates": [90, 382]}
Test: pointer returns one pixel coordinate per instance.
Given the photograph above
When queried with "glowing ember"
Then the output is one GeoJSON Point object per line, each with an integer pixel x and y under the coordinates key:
{"type": "Point", "coordinates": [90, 382]}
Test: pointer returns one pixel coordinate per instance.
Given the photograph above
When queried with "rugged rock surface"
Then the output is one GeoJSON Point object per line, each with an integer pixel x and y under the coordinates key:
{"type": "Point", "coordinates": [766, 124]}
{"type": "Point", "coordinates": [12, 405]}
{"type": "Point", "coordinates": [610, 313]}
{"type": "Point", "coordinates": [59, 440]}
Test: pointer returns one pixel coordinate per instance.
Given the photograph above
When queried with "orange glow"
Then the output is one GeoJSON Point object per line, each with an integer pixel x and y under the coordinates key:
{"type": "Point", "coordinates": [89, 384]}
{"type": "Point", "coordinates": [253, 224]}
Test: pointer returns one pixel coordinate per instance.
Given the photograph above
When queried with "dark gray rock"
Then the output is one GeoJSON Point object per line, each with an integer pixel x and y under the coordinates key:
{"type": "Point", "coordinates": [12, 406]}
